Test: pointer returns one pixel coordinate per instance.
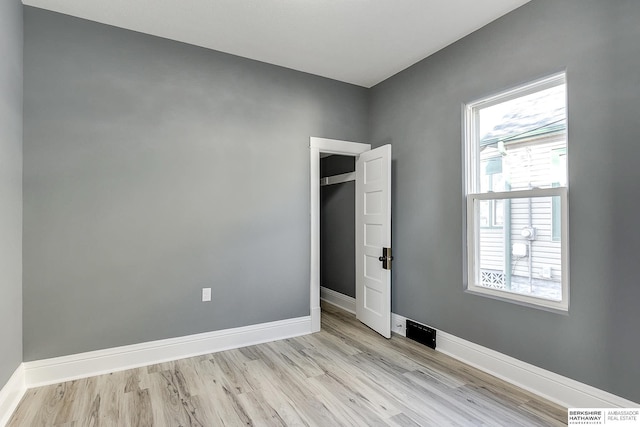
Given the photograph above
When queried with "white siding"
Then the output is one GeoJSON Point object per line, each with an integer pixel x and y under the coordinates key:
{"type": "Point", "coordinates": [492, 248]}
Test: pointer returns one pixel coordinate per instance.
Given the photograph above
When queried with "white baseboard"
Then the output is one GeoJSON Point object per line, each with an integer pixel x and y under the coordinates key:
{"type": "Point", "coordinates": [564, 391]}
{"type": "Point", "coordinates": [67, 368]}
{"type": "Point", "coordinates": [399, 324]}
{"type": "Point", "coordinates": [557, 388]}
{"type": "Point", "coordinates": [343, 301]}
{"type": "Point", "coordinates": [11, 394]}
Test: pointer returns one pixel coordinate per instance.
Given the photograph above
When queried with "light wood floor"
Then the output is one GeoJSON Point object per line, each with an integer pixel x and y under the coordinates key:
{"type": "Point", "coordinates": [345, 375]}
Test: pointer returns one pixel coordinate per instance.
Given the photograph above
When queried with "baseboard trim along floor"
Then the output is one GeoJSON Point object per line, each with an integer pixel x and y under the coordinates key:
{"type": "Point", "coordinates": [343, 301]}
{"type": "Point", "coordinates": [557, 388]}
{"type": "Point", "coordinates": [66, 368]}
{"type": "Point", "coordinates": [562, 390]}
{"type": "Point", "coordinates": [11, 394]}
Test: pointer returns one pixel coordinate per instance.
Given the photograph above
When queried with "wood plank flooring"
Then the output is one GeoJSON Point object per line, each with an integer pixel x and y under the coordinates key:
{"type": "Point", "coordinates": [345, 375]}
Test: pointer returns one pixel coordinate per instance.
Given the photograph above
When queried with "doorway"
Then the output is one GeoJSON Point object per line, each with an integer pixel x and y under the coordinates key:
{"type": "Point", "coordinates": [373, 231]}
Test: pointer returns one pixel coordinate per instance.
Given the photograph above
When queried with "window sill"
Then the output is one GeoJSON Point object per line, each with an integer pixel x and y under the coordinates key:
{"type": "Point", "coordinates": [522, 300]}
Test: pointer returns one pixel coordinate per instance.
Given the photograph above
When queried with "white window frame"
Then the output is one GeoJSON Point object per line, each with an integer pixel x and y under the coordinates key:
{"type": "Point", "coordinates": [473, 198]}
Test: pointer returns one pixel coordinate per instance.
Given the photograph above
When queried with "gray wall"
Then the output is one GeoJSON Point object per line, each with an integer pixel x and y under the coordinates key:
{"type": "Point", "coordinates": [153, 169]}
{"type": "Point", "coordinates": [419, 112]}
{"type": "Point", "coordinates": [10, 188]}
{"type": "Point", "coordinates": [337, 227]}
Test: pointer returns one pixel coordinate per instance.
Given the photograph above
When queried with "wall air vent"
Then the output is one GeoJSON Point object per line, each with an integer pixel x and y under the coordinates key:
{"type": "Point", "coordinates": [421, 333]}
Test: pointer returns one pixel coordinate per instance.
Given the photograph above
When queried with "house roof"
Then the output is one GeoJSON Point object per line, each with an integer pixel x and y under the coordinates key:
{"type": "Point", "coordinates": [536, 114]}
{"type": "Point", "coordinates": [526, 130]}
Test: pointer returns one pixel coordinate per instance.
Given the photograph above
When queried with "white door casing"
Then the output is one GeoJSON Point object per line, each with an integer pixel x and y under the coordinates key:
{"type": "Point", "coordinates": [373, 233]}
{"type": "Point", "coordinates": [317, 146]}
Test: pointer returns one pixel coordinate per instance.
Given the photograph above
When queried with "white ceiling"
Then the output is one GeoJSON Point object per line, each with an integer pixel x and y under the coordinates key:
{"type": "Point", "coordinates": [356, 41]}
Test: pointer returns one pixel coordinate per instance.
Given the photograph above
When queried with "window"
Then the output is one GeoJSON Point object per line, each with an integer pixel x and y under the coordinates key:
{"type": "Point", "coordinates": [516, 195]}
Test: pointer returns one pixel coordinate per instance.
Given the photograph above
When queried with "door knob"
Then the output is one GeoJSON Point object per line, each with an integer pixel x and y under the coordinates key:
{"type": "Point", "coordinates": [386, 258]}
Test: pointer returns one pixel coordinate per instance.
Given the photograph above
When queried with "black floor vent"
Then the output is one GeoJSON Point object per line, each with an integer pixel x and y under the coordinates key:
{"type": "Point", "coordinates": [421, 333]}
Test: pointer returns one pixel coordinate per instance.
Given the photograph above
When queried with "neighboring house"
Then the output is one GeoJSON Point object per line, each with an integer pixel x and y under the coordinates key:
{"type": "Point", "coordinates": [520, 238]}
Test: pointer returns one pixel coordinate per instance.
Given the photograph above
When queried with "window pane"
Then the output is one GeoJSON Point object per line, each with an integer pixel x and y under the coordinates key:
{"type": "Point", "coordinates": [517, 138]}
{"type": "Point", "coordinates": [522, 256]}
{"type": "Point", "coordinates": [555, 219]}
{"type": "Point", "coordinates": [498, 213]}
{"type": "Point", "coordinates": [559, 167]}
{"type": "Point", "coordinates": [484, 213]}
{"type": "Point", "coordinates": [497, 183]}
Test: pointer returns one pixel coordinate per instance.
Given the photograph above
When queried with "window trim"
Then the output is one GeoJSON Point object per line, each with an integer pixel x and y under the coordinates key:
{"type": "Point", "coordinates": [471, 163]}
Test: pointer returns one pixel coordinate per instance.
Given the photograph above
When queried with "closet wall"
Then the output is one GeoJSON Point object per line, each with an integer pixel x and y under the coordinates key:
{"type": "Point", "coordinates": [337, 227]}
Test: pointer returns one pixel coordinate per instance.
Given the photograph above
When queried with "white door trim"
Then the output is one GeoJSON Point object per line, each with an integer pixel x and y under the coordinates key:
{"type": "Point", "coordinates": [317, 146]}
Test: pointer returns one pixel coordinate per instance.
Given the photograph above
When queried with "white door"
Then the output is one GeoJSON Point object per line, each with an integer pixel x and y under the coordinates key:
{"type": "Point", "coordinates": [373, 233]}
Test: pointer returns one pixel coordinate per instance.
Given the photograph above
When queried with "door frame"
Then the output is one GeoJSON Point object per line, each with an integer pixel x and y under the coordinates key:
{"type": "Point", "coordinates": [317, 146]}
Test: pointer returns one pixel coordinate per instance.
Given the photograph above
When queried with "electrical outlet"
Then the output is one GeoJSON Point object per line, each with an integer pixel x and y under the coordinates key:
{"type": "Point", "coordinates": [206, 294]}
